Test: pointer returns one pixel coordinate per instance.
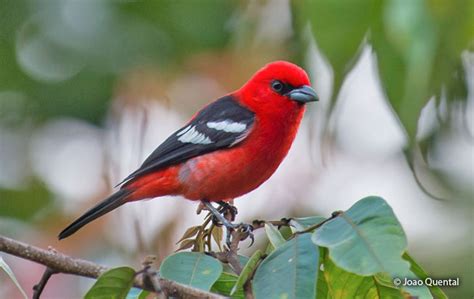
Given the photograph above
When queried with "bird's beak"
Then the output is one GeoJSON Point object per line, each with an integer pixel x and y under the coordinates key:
{"type": "Point", "coordinates": [303, 94]}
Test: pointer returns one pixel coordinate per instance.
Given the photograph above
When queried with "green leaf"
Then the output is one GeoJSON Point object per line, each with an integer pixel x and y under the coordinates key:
{"type": "Point", "coordinates": [322, 287]}
{"type": "Point", "coordinates": [247, 271]}
{"type": "Point", "coordinates": [192, 268]}
{"type": "Point", "coordinates": [342, 284]}
{"type": "Point", "coordinates": [455, 26]}
{"type": "Point", "coordinates": [10, 274]}
{"type": "Point", "coordinates": [243, 261]}
{"type": "Point", "coordinates": [143, 294]}
{"type": "Point", "coordinates": [421, 274]}
{"type": "Point", "coordinates": [288, 272]}
{"type": "Point", "coordinates": [224, 286]}
{"type": "Point", "coordinates": [114, 283]}
{"type": "Point", "coordinates": [405, 39]}
{"type": "Point", "coordinates": [136, 293]}
{"type": "Point", "coordinates": [366, 240]}
{"type": "Point", "coordinates": [286, 232]}
{"type": "Point", "coordinates": [339, 28]}
{"type": "Point", "coordinates": [274, 236]}
{"type": "Point", "coordinates": [24, 204]}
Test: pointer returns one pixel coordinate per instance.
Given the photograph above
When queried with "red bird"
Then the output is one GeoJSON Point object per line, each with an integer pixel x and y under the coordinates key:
{"type": "Point", "coordinates": [227, 149]}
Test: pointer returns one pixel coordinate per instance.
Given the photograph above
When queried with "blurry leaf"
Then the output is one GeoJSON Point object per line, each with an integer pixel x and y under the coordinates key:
{"type": "Point", "coordinates": [10, 274]}
{"type": "Point", "coordinates": [185, 244]}
{"type": "Point", "coordinates": [202, 24]}
{"type": "Point", "coordinates": [119, 36]}
{"type": "Point", "coordinates": [367, 239]}
{"type": "Point", "coordinates": [404, 37]}
{"type": "Point", "coordinates": [339, 28]}
{"type": "Point", "coordinates": [224, 286]}
{"type": "Point", "coordinates": [114, 283]}
{"type": "Point", "coordinates": [217, 235]}
{"type": "Point", "coordinates": [247, 271]}
{"type": "Point", "coordinates": [24, 204]}
{"type": "Point", "coordinates": [274, 236]}
{"type": "Point", "coordinates": [190, 232]}
{"type": "Point", "coordinates": [455, 23]}
{"type": "Point", "coordinates": [456, 84]}
{"type": "Point", "coordinates": [421, 274]}
{"type": "Point", "coordinates": [191, 268]}
{"type": "Point", "coordinates": [199, 243]}
{"type": "Point", "coordinates": [288, 272]}
{"type": "Point", "coordinates": [302, 223]}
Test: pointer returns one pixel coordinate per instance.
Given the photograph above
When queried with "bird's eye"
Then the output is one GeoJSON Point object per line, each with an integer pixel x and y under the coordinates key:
{"type": "Point", "coordinates": [277, 86]}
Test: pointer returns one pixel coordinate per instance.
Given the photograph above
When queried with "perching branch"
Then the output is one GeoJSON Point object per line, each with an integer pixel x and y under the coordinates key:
{"type": "Point", "coordinates": [38, 288]}
{"type": "Point", "coordinates": [61, 263]}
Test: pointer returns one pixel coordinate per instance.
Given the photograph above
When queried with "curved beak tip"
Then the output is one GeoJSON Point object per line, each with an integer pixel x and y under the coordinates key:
{"type": "Point", "coordinates": [303, 94]}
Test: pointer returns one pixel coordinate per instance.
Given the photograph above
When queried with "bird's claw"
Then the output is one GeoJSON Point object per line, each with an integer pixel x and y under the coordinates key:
{"type": "Point", "coordinates": [220, 217]}
{"type": "Point", "coordinates": [247, 230]}
{"type": "Point", "coordinates": [228, 209]}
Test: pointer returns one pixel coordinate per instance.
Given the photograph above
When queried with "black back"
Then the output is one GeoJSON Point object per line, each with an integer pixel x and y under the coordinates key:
{"type": "Point", "coordinates": [177, 149]}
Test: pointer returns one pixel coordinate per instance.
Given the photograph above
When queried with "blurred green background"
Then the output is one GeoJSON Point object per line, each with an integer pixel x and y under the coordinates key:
{"type": "Point", "coordinates": [89, 88]}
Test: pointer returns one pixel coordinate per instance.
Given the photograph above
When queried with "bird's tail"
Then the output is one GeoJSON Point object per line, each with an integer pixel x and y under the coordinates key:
{"type": "Point", "coordinates": [114, 201]}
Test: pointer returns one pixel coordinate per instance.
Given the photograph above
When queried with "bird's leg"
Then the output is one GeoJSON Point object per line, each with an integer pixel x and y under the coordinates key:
{"type": "Point", "coordinates": [246, 228]}
{"type": "Point", "coordinates": [217, 215]}
{"type": "Point", "coordinates": [228, 209]}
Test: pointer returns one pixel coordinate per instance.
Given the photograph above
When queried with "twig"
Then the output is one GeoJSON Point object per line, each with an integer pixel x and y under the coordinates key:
{"type": "Point", "coordinates": [248, 289]}
{"type": "Point", "coordinates": [149, 276]}
{"type": "Point", "coordinates": [318, 225]}
{"type": "Point", "coordinates": [38, 288]}
{"type": "Point", "coordinates": [256, 224]}
{"type": "Point", "coordinates": [62, 263]}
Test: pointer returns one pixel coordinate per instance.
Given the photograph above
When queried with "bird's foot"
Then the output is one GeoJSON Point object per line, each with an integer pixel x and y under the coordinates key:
{"type": "Point", "coordinates": [220, 217]}
{"type": "Point", "coordinates": [247, 230]}
{"type": "Point", "coordinates": [244, 231]}
{"type": "Point", "coordinates": [228, 210]}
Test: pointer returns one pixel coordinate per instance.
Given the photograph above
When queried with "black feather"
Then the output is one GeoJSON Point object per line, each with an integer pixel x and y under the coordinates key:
{"type": "Point", "coordinates": [172, 151]}
{"type": "Point", "coordinates": [114, 201]}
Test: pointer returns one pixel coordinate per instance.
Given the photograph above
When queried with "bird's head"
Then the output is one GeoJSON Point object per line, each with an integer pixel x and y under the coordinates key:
{"type": "Point", "coordinates": [278, 84]}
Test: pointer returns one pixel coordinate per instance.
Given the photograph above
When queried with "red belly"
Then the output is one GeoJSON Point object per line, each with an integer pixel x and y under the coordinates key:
{"type": "Point", "coordinates": [220, 176]}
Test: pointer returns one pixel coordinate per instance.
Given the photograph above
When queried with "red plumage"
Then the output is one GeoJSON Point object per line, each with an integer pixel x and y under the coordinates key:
{"type": "Point", "coordinates": [228, 149]}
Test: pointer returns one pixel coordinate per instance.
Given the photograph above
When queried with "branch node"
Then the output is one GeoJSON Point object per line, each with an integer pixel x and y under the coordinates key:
{"type": "Point", "coordinates": [39, 287]}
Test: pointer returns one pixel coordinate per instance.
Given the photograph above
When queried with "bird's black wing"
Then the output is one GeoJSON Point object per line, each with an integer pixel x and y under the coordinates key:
{"type": "Point", "coordinates": [222, 124]}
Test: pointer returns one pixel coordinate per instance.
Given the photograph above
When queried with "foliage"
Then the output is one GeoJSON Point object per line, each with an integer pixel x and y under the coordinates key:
{"type": "Point", "coordinates": [192, 268]}
{"type": "Point", "coordinates": [4, 266]}
{"type": "Point", "coordinates": [418, 45]}
{"type": "Point", "coordinates": [115, 283]}
{"type": "Point", "coordinates": [354, 254]}
{"type": "Point", "coordinates": [63, 69]}
{"type": "Point", "coordinates": [18, 204]}
{"type": "Point", "coordinates": [290, 271]}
